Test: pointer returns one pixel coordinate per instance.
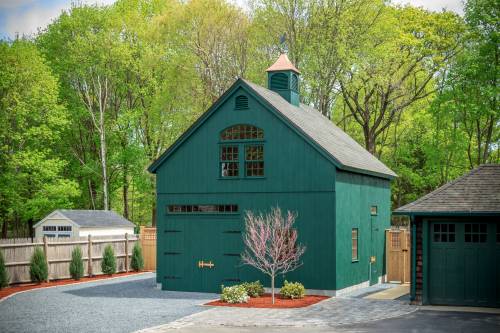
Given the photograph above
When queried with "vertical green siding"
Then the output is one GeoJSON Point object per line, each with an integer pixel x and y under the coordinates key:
{"type": "Point", "coordinates": [297, 178]}
{"type": "Point", "coordinates": [355, 194]}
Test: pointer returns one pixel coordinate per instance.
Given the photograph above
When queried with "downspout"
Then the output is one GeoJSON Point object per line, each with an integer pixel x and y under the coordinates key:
{"type": "Point", "coordinates": [413, 257]}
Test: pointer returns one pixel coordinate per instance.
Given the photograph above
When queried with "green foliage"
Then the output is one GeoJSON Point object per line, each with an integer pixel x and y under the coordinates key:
{"type": "Point", "coordinates": [292, 290]}
{"type": "Point", "coordinates": [108, 263]}
{"type": "Point", "coordinates": [4, 275]}
{"type": "Point", "coordinates": [39, 271]}
{"type": "Point", "coordinates": [137, 261]}
{"type": "Point", "coordinates": [76, 264]}
{"type": "Point", "coordinates": [253, 289]}
{"type": "Point", "coordinates": [234, 294]}
{"type": "Point", "coordinates": [419, 89]}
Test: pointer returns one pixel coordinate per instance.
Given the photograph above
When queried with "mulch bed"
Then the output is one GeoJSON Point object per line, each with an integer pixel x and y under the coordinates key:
{"type": "Point", "coordinates": [265, 301]}
{"type": "Point", "coordinates": [28, 286]}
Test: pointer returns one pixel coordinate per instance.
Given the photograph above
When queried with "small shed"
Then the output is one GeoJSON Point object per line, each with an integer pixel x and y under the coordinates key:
{"type": "Point", "coordinates": [81, 223]}
{"type": "Point", "coordinates": [456, 234]}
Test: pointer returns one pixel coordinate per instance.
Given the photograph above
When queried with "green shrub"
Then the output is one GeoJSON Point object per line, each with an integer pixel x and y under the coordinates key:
{"type": "Point", "coordinates": [108, 263]}
{"type": "Point", "coordinates": [292, 290]}
{"type": "Point", "coordinates": [234, 294]}
{"type": "Point", "coordinates": [4, 275]}
{"type": "Point", "coordinates": [253, 289]}
{"type": "Point", "coordinates": [38, 266]}
{"type": "Point", "coordinates": [76, 265]}
{"type": "Point", "coordinates": [137, 261]}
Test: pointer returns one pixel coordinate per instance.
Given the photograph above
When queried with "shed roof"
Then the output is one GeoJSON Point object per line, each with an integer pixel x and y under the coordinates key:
{"type": "Point", "coordinates": [321, 130]}
{"type": "Point", "coordinates": [344, 150]}
{"type": "Point", "coordinates": [94, 218]}
{"type": "Point", "coordinates": [477, 192]}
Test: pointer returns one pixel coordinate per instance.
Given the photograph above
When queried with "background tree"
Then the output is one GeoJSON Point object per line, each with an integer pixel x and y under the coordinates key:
{"type": "Point", "coordinates": [271, 243]}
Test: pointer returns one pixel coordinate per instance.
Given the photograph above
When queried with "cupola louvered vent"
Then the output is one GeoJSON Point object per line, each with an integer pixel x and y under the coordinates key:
{"type": "Point", "coordinates": [241, 103]}
{"type": "Point", "coordinates": [295, 83]}
{"type": "Point", "coordinates": [279, 81]}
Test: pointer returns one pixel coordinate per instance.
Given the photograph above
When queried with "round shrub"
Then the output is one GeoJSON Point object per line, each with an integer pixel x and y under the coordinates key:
{"type": "Point", "coordinates": [137, 261]}
{"type": "Point", "coordinates": [108, 263]}
{"type": "Point", "coordinates": [234, 294]}
{"type": "Point", "coordinates": [253, 289]}
{"type": "Point", "coordinates": [76, 265]}
{"type": "Point", "coordinates": [38, 266]}
{"type": "Point", "coordinates": [292, 290]}
{"type": "Point", "coordinates": [4, 275]}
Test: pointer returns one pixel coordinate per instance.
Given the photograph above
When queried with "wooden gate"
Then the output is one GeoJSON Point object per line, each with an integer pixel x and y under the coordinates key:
{"type": "Point", "coordinates": [397, 243]}
{"type": "Point", "coordinates": [148, 244]}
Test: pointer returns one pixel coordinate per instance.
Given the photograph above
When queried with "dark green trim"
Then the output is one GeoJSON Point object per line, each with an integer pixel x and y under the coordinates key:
{"type": "Point", "coordinates": [240, 83]}
{"type": "Point", "coordinates": [413, 258]}
{"type": "Point", "coordinates": [425, 263]}
{"type": "Point", "coordinates": [438, 214]}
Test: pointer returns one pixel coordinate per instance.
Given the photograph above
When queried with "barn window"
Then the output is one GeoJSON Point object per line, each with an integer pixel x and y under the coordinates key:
{"type": "Point", "coordinates": [49, 228]}
{"type": "Point", "coordinates": [229, 161]}
{"type": "Point", "coordinates": [242, 132]}
{"type": "Point", "coordinates": [64, 228]}
{"type": "Point", "coordinates": [373, 210]}
{"type": "Point", "coordinates": [444, 233]}
{"type": "Point", "coordinates": [476, 232]}
{"type": "Point", "coordinates": [231, 156]}
{"type": "Point", "coordinates": [63, 235]}
{"type": "Point", "coordinates": [254, 160]}
{"type": "Point", "coordinates": [199, 209]}
{"type": "Point", "coordinates": [354, 237]}
{"type": "Point", "coordinates": [279, 81]}
{"type": "Point", "coordinates": [241, 102]}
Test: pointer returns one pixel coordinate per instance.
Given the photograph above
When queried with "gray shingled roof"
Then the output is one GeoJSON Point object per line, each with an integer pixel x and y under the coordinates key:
{"type": "Point", "coordinates": [475, 192]}
{"type": "Point", "coordinates": [96, 218]}
{"type": "Point", "coordinates": [320, 129]}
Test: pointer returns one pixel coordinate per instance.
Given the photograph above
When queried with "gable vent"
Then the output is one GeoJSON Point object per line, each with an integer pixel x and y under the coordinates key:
{"type": "Point", "coordinates": [241, 103]}
{"type": "Point", "coordinates": [279, 81]}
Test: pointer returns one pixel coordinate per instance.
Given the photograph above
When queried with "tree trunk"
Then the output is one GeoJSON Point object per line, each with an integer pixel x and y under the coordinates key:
{"type": "Point", "coordinates": [4, 228]}
{"type": "Point", "coordinates": [272, 287]}
{"type": "Point", "coordinates": [103, 162]}
{"type": "Point", "coordinates": [30, 226]}
{"type": "Point", "coordinates": [125, 191]}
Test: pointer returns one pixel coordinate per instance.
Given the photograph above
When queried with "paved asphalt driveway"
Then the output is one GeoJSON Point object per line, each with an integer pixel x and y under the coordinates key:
{"type": "Point", "coordinates": [120, 305]}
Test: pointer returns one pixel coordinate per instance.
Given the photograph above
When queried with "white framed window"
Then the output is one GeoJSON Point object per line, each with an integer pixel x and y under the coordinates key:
{"type": "Point", "coordinates": [354, 239]}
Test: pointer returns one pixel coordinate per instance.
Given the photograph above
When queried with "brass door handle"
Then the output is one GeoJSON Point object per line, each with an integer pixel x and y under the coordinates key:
{"type": "Point", "coordinates": [202, 264]}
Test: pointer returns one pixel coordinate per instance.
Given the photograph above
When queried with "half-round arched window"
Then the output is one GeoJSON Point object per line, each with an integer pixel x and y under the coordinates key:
{"type": "Point", "coordinates": [279, 81]}
{"type": "Point", "coordinates": [241, 102]}
{"type": "Point", "coordinates": [242, 132]}
{"type": "Point", "coordinates": [295, 83]}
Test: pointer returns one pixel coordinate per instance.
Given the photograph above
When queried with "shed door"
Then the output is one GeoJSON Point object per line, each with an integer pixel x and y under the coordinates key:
{"type": "Point", "coordinates": [464, 264]}
{"type": "Point", "coordinates": [201, 253]}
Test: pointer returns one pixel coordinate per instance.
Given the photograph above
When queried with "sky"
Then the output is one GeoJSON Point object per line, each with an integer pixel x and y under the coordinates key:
{"type": "Point", "coordinates": [26, 17]}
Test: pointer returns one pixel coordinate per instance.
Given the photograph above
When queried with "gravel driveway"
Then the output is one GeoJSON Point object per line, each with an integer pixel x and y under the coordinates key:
{"type": "Point", "coordinates": [120, 305]}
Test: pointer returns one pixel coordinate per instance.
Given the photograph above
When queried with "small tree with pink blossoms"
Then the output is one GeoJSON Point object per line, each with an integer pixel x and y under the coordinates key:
{"type": "Point", "coordinates": [270, 242]}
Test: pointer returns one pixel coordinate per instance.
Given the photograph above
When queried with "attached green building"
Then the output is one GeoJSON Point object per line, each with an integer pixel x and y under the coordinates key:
{"type": "Point", "coordinates": [256, 148]}
{"type": "Point", "coordinates": [456, 237]}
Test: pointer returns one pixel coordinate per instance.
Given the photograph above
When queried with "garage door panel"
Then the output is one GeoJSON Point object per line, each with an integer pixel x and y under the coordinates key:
{"type": "Point", "coordinates": [464, 267]}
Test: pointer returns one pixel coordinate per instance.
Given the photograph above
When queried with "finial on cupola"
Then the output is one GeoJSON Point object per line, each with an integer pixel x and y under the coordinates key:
{"type": "Point", "coordinates": [283, 78]}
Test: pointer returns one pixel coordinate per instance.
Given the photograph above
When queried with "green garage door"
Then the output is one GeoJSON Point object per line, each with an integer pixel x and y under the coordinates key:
{"type": "Point", "coordinates": [200, 253]}
{"type": "Point", "coordinates": [464, 263]}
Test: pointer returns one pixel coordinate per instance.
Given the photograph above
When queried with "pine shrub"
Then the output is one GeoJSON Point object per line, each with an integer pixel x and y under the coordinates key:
{"type": "Point", "coordinates": [76, 265]}
{"type": "Point", "coordinates": [4, 275]}
{"type": "Point", "coordinates": [108, 263]}
{"type": "Point", "coordinates": [39, 271]}
{"type": "Point", "coordinates": [137, 261]}
{"type": "Point", "coordinates": [292, 290]}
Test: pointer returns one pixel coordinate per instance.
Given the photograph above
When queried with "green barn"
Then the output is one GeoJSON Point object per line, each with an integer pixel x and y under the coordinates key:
{"type": "Point", "coordinates": [456, 237]}
{"type": "Point", "coordinates": [255, 148]}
